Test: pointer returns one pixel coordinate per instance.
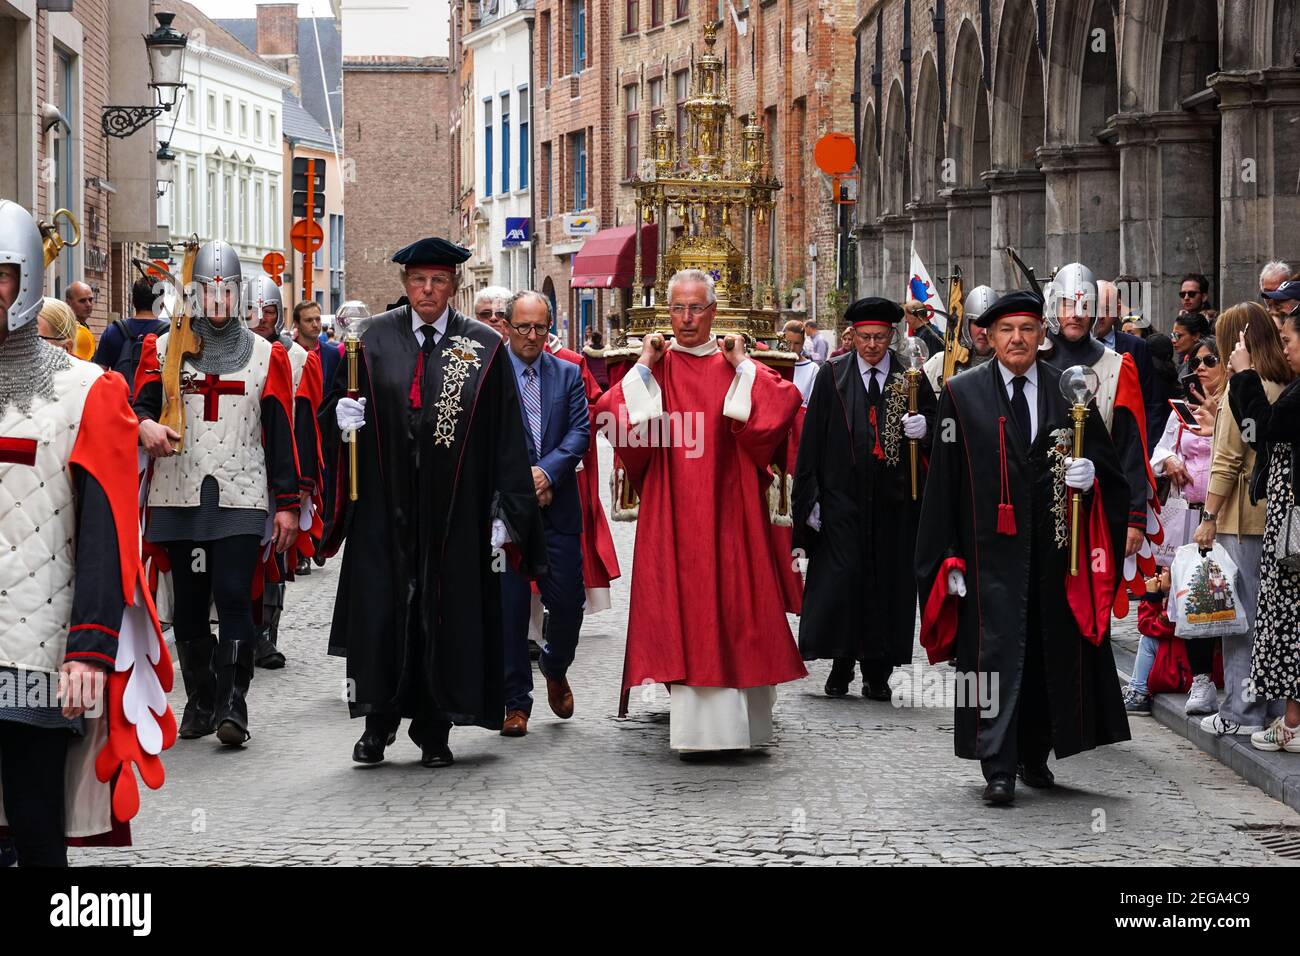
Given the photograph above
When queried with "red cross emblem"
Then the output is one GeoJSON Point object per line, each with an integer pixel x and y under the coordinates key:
{"type": "Point", "coordinates": [212, 388]}
{"type": "Point", "coordinates": [18, 451]}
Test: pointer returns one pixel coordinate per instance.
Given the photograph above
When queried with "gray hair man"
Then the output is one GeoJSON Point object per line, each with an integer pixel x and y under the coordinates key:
{"type": "Point", "coordinates": [490, 305]}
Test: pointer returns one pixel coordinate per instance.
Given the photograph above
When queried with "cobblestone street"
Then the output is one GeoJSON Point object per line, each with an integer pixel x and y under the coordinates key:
{"type": "Point", "coordinates": [846, 781]}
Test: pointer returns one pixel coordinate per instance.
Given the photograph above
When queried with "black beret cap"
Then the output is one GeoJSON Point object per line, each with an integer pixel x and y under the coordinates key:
{"type": "Point", "coordinates": [1013, 303]}
{"type": "Point", "coordinates": [874, 311]}
{"type": "Point", "coordinates": [431, 252]}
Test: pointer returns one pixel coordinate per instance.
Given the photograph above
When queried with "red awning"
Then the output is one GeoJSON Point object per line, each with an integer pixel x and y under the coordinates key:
{"type": "Point", "coordinates": [607, 259]}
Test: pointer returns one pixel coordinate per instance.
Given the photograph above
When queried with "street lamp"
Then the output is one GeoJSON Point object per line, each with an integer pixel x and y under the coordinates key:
{"type": "Point", "coordinates": [166, 50]}
{"type": "Point", "coordinates": [166, 164]}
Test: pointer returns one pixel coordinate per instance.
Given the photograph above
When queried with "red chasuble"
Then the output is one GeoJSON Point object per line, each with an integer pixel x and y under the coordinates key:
{"type": "Point", "coordinates": [706, 607]}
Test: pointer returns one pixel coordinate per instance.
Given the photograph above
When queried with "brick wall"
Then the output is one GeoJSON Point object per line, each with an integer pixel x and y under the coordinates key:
{"type": "Point", "coordinates": [395, 128]}
{"type": "Point", "coordinates": [277, 29]}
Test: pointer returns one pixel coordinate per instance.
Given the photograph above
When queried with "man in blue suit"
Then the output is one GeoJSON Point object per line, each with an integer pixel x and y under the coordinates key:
{"type": "Point", "coordinates": [553, 403]}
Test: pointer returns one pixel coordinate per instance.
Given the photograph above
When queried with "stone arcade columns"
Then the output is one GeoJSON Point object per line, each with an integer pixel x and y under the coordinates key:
{"type": "Point", "coordinates": [969, 217]}
{"type": "Point", "coordinates": [1017, 201]}
{"type": "Point", "coordinates": [1082, 206]}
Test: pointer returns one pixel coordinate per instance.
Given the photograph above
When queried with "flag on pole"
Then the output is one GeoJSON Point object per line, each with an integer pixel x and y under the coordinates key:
{"type": "Point", "coordinates": [921, 288]}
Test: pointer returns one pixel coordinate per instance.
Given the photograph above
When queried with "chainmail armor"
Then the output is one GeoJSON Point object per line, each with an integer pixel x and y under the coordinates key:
{"type": "Point", "coordinates": [226, 348]}
{"type": "Point", "coordinates": [27, 368]}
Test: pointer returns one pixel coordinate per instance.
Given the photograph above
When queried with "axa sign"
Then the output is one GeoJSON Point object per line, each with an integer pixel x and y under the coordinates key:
{"type": "Point", "coordinates": [518, 230]}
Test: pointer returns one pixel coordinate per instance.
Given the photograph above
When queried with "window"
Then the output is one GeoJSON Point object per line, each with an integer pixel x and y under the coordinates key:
{"type": "Point", "coordinates": [191, 198]}
{"type": "Point", "coordinates": [271, 128]}
{"type": "Point", "coordinates": [212, 111]}
{"type": "Point", "coordinates": [683, 8]}
{"type": "Point", "coordinates": [505, 142]}
{"type": "Point", "coordinates": [336, 256]}
{"type": "Point", "coordinates": [274, 218]}
{"type": "Point", "coordinates": [228, 115]}
{"type": "Point", "coordinates": [257, 123]}
{"type": "Point", "coordinates": [656, 102]}
{"type": "Point", "coordinates": [681, 90]}
{"type": "Point", "coordinates": [228, 194]}
{"type": "Point", "coordinates": [211, 199]}
{"type": "Point", "coordinates": [190, 119]}
{"type": "Point", "coordinates": [524, 145]}
{"type": "Point", "coordinates": [632, 14]}
{"type": "Point", "coordinates": [243, 120]}
{"type": "Point", "coordinates": [259, 214]}
{"type": "Point", "coordinates": [545, 160]}
{"type": "Point", "coordinates": [578, 162]}
{"type": "Point", "coordinates": [579, 35]}
{"type": "Point", "coordinates": [632, 127]}
{"type": "Point", "coordinates": [241, 214]}
{"type": "Point", "coordinates": [544, 39]}
{"type": "Point", "coordinates": [487, 147]}
{"type": "Point", "coordinates": [656, 13]}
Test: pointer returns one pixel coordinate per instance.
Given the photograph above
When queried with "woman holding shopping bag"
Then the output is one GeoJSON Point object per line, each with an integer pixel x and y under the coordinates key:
{"type": "Point", "coordinates": [1273, 429]}
{"type": "Point", "coordinates": [1233, 519]}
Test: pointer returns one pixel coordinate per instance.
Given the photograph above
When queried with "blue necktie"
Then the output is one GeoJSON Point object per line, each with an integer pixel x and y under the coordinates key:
{"type": "Point", "coordinates": [533, 406]}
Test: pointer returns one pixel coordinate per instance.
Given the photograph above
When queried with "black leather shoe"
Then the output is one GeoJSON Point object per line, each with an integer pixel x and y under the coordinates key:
{"type": "Point", "coordinates": [268, 656]}
{"type": "Point", "coordinates": [436, 755]}
{"type": "Point", "coordinates": [1001, 789]}
{"type": "Point", "coordinates": [873, 692]}
{"type": "Point", "coordinates": [1036, 775]}
{"type": "Point", "coordinates": [370, 748]}
{"type": "Point", "coordinates": [836, 688]}
{"type": "Point", "coordinates": [840, 677]}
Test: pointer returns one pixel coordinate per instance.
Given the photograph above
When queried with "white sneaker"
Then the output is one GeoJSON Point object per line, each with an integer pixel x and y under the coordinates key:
{"type": "Point", "coordinates": [1278, 736]}
{"type": "Point", "coordinates": [1203, 699]}
{"type": "Point", "coordinates": [1222, 727]}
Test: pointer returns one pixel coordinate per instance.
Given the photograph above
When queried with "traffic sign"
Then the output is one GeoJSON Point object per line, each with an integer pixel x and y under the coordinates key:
{"type": "Point", "coordinates": [300, 204]}
{"type": "Point", "coordinates": [273, 265]}
{"type": "Point", "coordinates": [836, 154]}
{"type": "Point", "coordinates": [300, 169]}
{"type": "Point", "coordinates": [306, 236]}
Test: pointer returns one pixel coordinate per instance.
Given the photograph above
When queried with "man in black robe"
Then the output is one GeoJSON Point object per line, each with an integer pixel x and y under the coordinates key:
{"type": "Point", "coordinates": [1035, 672]}
{"type": "Point", "coordinates": [853, 510]}
{"type": "Point", "coordinates": [444, 482]}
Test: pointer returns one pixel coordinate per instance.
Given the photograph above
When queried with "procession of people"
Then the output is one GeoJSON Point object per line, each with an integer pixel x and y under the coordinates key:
{"type": "Point", "coordinates": [219, 448]}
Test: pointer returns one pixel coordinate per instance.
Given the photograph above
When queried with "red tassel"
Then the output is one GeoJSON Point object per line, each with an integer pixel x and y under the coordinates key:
{"type": "Point", "coordinates": [875, 428]}
{"type": "Point", "coordinates": [417, 400]}
{"type": "Point", "coordinates": [1006, 511]}
{"type": "Point", "coordinates": [1006, 520]}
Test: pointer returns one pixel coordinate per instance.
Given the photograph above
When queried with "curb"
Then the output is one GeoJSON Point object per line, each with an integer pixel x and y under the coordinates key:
{"type": "Point", "coordinates": [1277, 774]}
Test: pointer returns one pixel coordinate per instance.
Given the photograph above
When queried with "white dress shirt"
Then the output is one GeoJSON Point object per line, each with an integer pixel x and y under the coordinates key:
{"type": "Point", "coordinates": [421, 327]}
{"type": "Point", "coordinates": [865, 367]}
{"type": "Point", "coordinates": [1031, 393]}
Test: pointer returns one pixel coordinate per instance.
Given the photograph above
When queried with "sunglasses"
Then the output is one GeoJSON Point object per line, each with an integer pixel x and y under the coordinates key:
{"type": "Point", "coordinates": [1188, 295]}
{"type": "Point", "coordinates": [488, 313]}
{"type": "Point", "coordinates": [1210, 361]}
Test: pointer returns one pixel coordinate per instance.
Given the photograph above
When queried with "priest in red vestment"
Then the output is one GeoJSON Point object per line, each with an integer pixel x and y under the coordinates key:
{"type": "Point", "coordinates": [696, 426]}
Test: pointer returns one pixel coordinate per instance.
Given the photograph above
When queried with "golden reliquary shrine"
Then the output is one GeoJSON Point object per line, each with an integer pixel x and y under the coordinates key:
{"type": "Point", "coordinates": [723, 194]}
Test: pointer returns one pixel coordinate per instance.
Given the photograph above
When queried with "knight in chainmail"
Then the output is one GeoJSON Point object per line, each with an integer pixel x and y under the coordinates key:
{"type": "Point", "coordinates": [212, 504]}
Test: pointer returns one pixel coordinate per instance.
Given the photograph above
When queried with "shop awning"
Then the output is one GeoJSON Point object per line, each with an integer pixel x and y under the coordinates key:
{"type": "Point", "coordinates": [607, 259]}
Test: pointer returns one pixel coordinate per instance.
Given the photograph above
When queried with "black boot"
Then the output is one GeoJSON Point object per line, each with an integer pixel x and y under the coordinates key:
{"type": "Point", "coordinates": [268, 654]}
{"type": "Point", "coordinates": [234, 674]}
{"type": "Point", "coordinates": [200, 687]}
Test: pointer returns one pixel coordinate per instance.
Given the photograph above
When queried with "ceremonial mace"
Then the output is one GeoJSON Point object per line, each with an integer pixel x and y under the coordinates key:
{"type": "Point", "coordinates": [914, 354]}
{"type": "Point", "coordinates": [351, 318]}
{"type": "Point", "coordinates": [1079, 385]}
{"type": "Point", "coordinates": [53, 239]}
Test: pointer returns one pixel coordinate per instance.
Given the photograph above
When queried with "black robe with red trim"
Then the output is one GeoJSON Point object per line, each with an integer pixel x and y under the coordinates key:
{"type": "Point", "coordinates": [1017, 581]}
{"type": "Point", "coordinates": [418, 611]}
{"type": "Point", "coordinates": [860, 597]}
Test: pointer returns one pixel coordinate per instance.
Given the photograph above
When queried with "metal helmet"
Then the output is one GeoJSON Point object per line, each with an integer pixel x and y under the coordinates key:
{"type": "Point", "coordinates": [21, 245]}
{"type": "Point", "coordinates": [217, 264]}
{"type": "Point", "coordinates": [977, 302]}
{"type": "Point", "coordinates": [1075, 282]}
{"type": "Point", "coordinates": [260, 292]}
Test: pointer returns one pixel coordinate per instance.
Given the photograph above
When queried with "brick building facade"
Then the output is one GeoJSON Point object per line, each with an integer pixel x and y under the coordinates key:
{"type": "Point", "coordinates": [1145, 138]}
{"type": "Point", "coordinates": [399, 153]}
{"type": "Point", "coordinates": [789, 68]}
{"type": "Point", "coordinates": [574, 157]}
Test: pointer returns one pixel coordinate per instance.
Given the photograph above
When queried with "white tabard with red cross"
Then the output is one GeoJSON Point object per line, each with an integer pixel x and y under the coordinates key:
{"type": "Point", "coordinates": [223, 437]}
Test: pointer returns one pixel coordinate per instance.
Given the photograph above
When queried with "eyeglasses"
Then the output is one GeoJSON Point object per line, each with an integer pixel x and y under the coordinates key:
{"type": "Point", "coordinates": [874, 338]}
{"type": "Point", "coordinates": [437, 281]}
{"type": "Point", "coordinates": [1175, 335]}
{"type": "Point", "coordinates": [528, 331]}
{"type": "Point", "coordinates": [1210, 361]}
{"type": "Point", "coordinates": [1188, 295]}
{"type": "Point", "coordinates": [487, 314]}
{"type": "Point", "coordinates": [680, 310]}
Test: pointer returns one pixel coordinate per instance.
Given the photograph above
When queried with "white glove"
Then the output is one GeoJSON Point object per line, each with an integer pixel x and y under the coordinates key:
{"type": "Point", "coordinates": [914, 426]}
{"type": "Point", "coordinates": [815, 516]}
{"type": "Point", "coordinates": [1079, 473]}
{"type": "Point", "coordinates": [957, 583]}
{"type": "Point", "coordinates": [499, 534]}
{"type": "Point", "coordinates": [351, 415]}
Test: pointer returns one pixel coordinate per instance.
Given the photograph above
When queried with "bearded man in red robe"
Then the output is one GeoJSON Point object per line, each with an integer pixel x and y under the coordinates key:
{"type": "Point", "coordinates": [696, 427]}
